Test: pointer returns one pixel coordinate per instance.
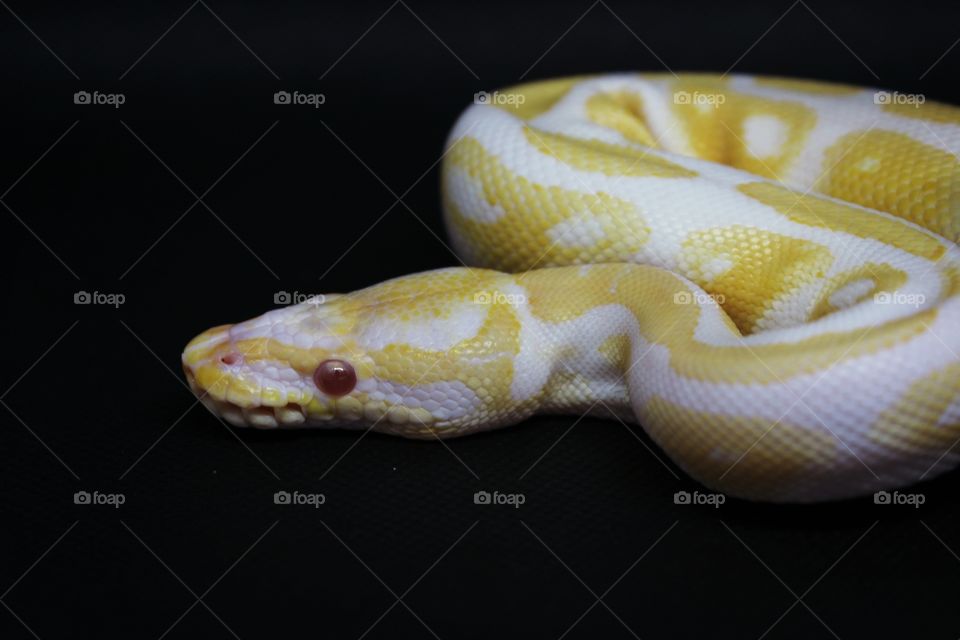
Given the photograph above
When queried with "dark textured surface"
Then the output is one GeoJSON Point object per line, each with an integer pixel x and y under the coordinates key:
{"type": "Point", "coordinates": [599, 518]}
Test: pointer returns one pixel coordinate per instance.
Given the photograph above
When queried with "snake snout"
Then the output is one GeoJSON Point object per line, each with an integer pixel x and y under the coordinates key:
{"type": "Point", "coordinates": [207, 363]}
{"type": "Point", "coordinates": [235, 384]}
{"type": "Point", "coordinates": [203, 348]}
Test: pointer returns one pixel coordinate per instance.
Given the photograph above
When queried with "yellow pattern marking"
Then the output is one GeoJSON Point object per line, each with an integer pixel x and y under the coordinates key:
{"type": "Point", "coordinates": [605, 158]}
{"type": "Point", "coordinates": [715, 120]}
{"type": "Point", "coordinates": [814, 211]}
{"type": "Point", "coordinates": [895, 173]}
{"type": "Point", "coordinates": [616, 351]}
{"type": "Point", "coordinates": [883, 278]}
{"type": "Point", "coordinates": [764, 268]}
{"type": "Point", "coordinates": [621, 111]}
{"type": "Point", "coordinates": [555, 295]}
{"type": "Point", "coordinates": [521, 238]}
{"type": "Point", "coordinates": [912, 424]}
{"type": "Point", "coordinates": [738, 454]}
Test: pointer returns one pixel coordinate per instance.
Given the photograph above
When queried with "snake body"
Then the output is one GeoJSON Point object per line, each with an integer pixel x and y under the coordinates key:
{"type": "Point", "coordinates": [761, 272]}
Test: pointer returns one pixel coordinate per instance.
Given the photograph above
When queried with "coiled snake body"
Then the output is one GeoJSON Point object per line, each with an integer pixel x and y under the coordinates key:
{"type": "Point", "coordinates": [761, 272]}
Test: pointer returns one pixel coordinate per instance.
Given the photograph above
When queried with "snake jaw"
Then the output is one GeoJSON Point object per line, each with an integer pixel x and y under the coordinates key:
{"type": "Point", "coordinates": [229, 378]}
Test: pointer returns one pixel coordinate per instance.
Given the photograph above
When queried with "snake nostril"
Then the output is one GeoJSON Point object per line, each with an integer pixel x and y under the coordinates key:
{"type": "Point", "coordinates": [230, 358]}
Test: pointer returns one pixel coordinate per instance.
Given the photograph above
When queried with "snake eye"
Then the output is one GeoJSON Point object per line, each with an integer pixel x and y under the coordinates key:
{"type": "Point", "coordinates": [335, 377]}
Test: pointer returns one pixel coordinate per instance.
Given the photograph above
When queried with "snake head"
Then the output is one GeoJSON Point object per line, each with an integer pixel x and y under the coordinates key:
{"type": "Point", "coordinates": [288, 367]}
{"type": "Point", "coordinates": [415, 356]}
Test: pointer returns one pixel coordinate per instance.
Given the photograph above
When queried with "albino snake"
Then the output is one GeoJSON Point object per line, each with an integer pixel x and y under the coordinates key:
{"type": "Point", "coordinates": [761, 272]}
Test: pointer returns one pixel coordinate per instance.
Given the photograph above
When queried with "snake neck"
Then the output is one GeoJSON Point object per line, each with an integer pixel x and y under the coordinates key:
{"type": "Point", "coordinates": [583, 330]}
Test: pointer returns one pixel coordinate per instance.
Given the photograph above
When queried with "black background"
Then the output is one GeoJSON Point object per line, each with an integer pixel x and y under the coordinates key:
{"type": "Point", "coordinates": [333, 199]}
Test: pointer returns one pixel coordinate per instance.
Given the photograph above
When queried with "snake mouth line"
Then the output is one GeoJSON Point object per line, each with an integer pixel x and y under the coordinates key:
{"type": "Point", "coordinates": [288, 415]}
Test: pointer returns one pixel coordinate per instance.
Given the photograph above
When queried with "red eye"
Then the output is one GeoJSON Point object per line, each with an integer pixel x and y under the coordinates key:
{"type": "Point", "coordinates": [335, 377]}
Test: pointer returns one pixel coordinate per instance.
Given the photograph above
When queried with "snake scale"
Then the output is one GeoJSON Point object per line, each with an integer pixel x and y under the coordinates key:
{"type": "Point", "coordinates": [762, 272]}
